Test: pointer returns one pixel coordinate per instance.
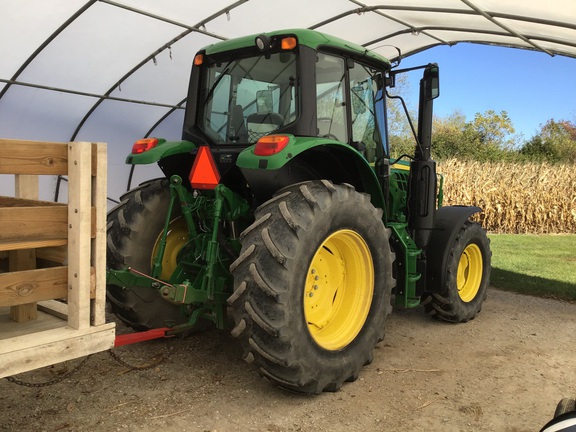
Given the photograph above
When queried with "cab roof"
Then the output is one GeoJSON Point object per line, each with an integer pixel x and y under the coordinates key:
{"type": "Point", "coordinates": [310, 38]}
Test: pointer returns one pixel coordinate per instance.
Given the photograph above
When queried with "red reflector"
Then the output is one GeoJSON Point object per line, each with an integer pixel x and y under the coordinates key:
{"type": "Point", "coordinates": [143, 145]}
{"type": "Point", "coordinates": [204, 173]}
{"type": "Point", "coordinates": [270, 145]}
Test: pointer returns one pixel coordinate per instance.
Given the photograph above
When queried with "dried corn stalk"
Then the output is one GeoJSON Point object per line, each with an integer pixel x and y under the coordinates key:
{"type": "Point", "coordinates": [516, 197]}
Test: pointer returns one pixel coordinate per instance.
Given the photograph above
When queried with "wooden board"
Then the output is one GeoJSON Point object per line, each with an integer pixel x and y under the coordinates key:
{"type": "Point", "coordinates": [10, 329]}
{"type": "Point", "coordinates": [79, 238]}
{"type": "Point", "coordinates": [98, 256]}
{"type": "Point", "coordinates": [6, 201]}
{"type": "Point", "coordinates": [31, 157]}
{"type": "Point", "coordinates": [54, 308]}
{"type": "Point", "coordinates": [17, 288]}
{"type": "Point", "coordinates": [55, 254]}
{"type": "Point", "coordinates": [26, 188]}
{"type": "Point", "coordinates": [39, 349]}
{"type": "Point", "coordinates": [73, 235]}
{"type": "Point", "coordinates": [33, 223]}
{"type": "Point", "coordinates": [29, 286]}
{"type": "Point", "coordinates": [19, 260]}
{"type": "Point", "coordinates": [8, 245]}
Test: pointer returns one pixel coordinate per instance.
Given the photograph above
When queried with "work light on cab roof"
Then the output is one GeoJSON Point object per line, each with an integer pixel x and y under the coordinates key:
{"type": "Point", "coordinates": [265, 42]}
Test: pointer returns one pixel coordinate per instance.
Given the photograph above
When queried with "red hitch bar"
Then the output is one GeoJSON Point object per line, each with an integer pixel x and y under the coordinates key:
{"type": "Point", "coordinates": [132, 338]}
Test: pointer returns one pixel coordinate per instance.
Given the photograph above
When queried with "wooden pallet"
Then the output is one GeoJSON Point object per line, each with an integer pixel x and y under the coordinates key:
{"type": "Point", "coordinates": [52, 257]}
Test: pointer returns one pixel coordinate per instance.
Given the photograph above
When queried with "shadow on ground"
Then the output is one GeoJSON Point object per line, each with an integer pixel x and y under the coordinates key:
{"type": "Point", "coordinates": [532, 285]}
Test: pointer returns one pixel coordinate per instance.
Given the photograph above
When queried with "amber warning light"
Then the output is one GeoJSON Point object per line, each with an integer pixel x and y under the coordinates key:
{"type": "Point", "coordinates": [204, 173]}
{"type": "Point", "coordinates": [288, 43]}
{"type": "Point", "coordinates": [199, 59]}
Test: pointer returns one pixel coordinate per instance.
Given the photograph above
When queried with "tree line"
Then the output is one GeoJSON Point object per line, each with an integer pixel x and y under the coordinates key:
{"type": "Point", "coordinates": [490, 136]}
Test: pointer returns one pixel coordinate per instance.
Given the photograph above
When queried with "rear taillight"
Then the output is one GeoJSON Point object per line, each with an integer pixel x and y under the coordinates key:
{"type": "Point", "coordinates": [144, 145]}
{"type": "Point", "coordinates": [271, 144]}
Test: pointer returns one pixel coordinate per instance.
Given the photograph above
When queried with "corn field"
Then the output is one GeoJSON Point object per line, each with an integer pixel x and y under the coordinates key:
{"type": "Point", "coordinates": [517, 198]}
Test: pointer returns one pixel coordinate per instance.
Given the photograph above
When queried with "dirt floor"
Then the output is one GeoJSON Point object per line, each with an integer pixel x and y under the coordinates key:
{"type": "Point", "coordinates": [504, 371]}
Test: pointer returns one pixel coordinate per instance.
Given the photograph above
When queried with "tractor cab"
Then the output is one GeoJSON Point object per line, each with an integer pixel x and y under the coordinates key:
{"type": "Point", "coordinates": [298, 83]}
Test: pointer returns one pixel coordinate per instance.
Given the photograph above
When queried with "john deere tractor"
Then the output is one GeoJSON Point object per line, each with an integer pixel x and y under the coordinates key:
{"type": "Point", "coordinates": [282, 207]}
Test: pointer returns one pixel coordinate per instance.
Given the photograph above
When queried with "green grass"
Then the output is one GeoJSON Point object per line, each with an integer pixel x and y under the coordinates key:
{"type": "Point", "coordinates": [541, 265]}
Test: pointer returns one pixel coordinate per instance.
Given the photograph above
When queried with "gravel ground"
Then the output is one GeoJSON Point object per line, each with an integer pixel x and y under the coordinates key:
{"type": "Point", "coordinates": [504, 371]}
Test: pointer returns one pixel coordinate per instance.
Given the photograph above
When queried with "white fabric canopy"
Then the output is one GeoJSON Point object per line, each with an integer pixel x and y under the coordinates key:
{"type": "Point", "coordinates": [116, 71]}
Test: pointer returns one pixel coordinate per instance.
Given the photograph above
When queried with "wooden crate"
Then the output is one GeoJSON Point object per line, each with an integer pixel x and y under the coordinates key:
{"type": "Point", "coordinates": [52, 257]}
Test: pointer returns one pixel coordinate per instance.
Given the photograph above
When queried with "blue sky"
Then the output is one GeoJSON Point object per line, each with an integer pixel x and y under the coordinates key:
{"type": "Point", "coordinates": [531, 86]}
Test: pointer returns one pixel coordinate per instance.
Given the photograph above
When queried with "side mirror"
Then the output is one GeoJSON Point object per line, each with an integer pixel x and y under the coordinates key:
{"type": "Point", "coordinates": [432, 81]}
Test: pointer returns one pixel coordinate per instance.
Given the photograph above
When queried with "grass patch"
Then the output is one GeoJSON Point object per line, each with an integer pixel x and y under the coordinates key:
{"type": "Point", "coordinates": [541, 265]}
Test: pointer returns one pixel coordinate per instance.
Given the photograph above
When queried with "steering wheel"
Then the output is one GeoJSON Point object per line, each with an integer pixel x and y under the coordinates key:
{"type": "Point", "coordinates": [331, 136]}
{"type": "Point", "coordinates": [328, 135]}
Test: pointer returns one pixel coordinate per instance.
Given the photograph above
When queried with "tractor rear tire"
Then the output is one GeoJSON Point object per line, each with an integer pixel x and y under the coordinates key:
{"type": "Point", "coordinates": [132, 232]}
{"type": "Point", "coordinates": [312, 286]}
{"type": "Point", "coordinates": [565, 405]}
{"type": "Point", "coordinates": [466, 279]}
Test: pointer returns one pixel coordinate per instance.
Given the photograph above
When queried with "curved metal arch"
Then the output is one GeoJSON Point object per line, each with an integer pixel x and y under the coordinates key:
{"type": "Point", "coordinates": [375, 9]}
{"type": "Point", "coordinates": [147, 134]}
{"type": "Point", "coordinates": [165, 116]}
{"type": "Point", "coordinates": [472, 10]}
{"type": "Point", "coordinates": [469, 8]}
{"type": "Point", "coordinates": [47, 42]}
{"type": "Point", "coordinates": [467, 30]}
{"type": "Point", "coordinates": [118, 83]}
{"type": "Point", "coordinates": [189, 29]}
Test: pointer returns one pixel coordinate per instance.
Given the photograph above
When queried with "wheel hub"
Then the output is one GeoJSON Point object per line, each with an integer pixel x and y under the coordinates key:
{"type": "Point", "coordinates": [469, 276]}
{"type": "Point", "coordinates": [338, 289]}
{"type": "Point", "coordinates": [175, 240]}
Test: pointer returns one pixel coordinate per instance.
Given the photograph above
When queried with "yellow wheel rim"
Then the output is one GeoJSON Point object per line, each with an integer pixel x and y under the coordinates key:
{"type": "Point", "coordinates": [175, 240]}
{"type": "Point", "coordinates": [469, 275]}
{"type": "Point", "coordinates": [339, 289]}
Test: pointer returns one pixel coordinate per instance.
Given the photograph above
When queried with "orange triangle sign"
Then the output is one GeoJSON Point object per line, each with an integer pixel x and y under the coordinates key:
{"type": "Point", "coordinates": [204, 173]}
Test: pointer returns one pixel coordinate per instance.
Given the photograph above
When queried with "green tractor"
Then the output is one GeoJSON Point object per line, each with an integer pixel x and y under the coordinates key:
{"type": "Point", "coordinates": [282, 207]}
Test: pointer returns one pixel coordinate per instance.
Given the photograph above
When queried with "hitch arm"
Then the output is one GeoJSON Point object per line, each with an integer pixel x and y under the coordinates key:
{"type": "Point", "coordinates": [131, 277]}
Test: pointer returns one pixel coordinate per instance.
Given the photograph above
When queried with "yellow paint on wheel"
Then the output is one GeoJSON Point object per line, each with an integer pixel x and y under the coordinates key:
{"type": "Point", "coordinates": [469, 275]}
{"type": "Point", "coordinates": [339, 289]}
{"type": "Point", "coordinates": [175, 240]}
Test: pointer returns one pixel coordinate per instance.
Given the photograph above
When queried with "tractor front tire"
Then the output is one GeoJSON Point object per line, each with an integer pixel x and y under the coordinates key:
{"type": "Point", "coordinates": [133, 229]}
{"type": "Point", "coordinates": [312, 286]}
{"type": "Point", "coordinates": [467, 276]}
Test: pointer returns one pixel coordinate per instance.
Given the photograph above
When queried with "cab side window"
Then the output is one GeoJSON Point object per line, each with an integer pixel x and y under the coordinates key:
{"type": "Point", "coordinates": [331, 97]}
{"type": "Point", "coordinates": [363, 99]}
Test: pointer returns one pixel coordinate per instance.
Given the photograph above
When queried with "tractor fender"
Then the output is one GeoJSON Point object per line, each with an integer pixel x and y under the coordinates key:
{"type": "Point", "coordinates": [305, 159]}
{"type": "Point", "coordinates": [448, 221]}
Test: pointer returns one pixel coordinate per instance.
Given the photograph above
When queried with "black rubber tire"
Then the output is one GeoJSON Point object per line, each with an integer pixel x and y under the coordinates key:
{"type": "Point", "coordinates": [132, 230]}
{"type": "Point", "coordinates": [447, 305]}
{"type": "Point", "coordinates": [269, 279]}
{"type": "Point", "coordinates": [564, 406]}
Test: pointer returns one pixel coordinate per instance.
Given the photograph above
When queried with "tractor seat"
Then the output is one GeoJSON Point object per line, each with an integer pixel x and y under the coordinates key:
{"type": "Point", "coordinates": [261, 124]}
